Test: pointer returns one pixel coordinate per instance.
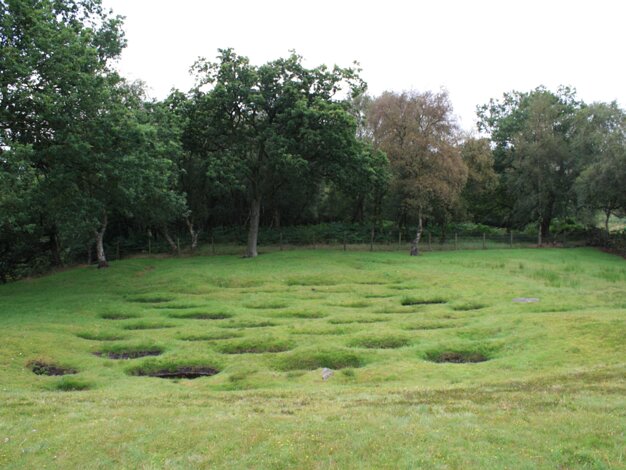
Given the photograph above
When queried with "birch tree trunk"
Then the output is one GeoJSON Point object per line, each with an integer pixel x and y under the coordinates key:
{"type": "Point", "coordinates": [194, 234]}
{"type": "Point", "coordinates": [102, 260]}
{"type": "Point", "coordinates": [169, 239]}
{"type": "Point", "coordinates": [416, 241]}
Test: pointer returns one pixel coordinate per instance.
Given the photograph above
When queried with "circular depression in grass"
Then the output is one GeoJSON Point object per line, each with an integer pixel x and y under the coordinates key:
{"type": "Point", "coordinates": [456, 356]}
{"type": "Point", "coordinates": [175, 370]}
{"type": "Point", "coordinates": [379, 342]}
{"type": "Point", "coordinates": [255, 346]}
{"type": "Point", "coordinates": [419, 301]}
{"type": "Point", "coordinates": [130, 351]}
{"type": "Point", "coordinates": [47, 368]}
{"type": "Point", "coordinates": [118, 316]}
{"type": "Point", "coordinates": [201, 315]}
{"type": "Point", "coordinates": [314, 359]}
{"type": "Point", "coordinates": [146, 326]}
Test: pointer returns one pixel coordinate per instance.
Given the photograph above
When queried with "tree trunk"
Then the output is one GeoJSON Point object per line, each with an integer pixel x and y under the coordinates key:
{"type": "Point", "coordinates": [253, 230]}
{"type": "Point", "coordinates": [540, 234]}
{"type": "Point", "coordinates": [194, 234]}
{"type": "Point", "coordinates": [102, 260]}
{"type": "Point", "coordinates": [606, 223]}
{"type": "Point", "coordinates": [55, 247]}
{"type": "Point", "coordinates": [170, 240]}
{"type": "Point", "coordinates": [545, 227]}
{"type": "Point", "coordinates": [415, 244]}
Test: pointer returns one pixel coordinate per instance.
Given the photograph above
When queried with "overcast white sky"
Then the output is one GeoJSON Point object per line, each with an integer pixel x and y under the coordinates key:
{"type": "Point", "coordinates": [475, 49]}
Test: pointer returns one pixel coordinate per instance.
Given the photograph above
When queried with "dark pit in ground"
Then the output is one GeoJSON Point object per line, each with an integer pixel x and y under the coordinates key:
{"type": "Point", "coordinates": [413, 301]}
{"type": "Point", "coordinates": [202, 315]}
{"type": "Point", "coordinates": [43, 368]}
{"type": "Point", "coordinates": [128, 354]}
{"type": "Point", "coordinates": [457, 357]}
{"type": "Point", "coordinates": [118, 316]}
{"type": "Point", "coordinates": [182, 372]}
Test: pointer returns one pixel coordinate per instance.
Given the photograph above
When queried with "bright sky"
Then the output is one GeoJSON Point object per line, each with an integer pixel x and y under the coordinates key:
{"type": "Point", "coordinates": [476, 49]}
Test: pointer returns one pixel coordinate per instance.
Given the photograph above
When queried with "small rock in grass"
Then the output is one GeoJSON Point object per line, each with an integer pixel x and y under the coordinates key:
{"type": "Point", "coordinates": [326, 373]}
{"type": "Point", "coordinates": [525, 300]}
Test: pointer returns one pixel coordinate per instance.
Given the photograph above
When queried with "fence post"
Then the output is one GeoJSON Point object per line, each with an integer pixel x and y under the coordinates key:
{"type": "Point", "coordinates": [484, 246]}
{"type": "Point", "coordinates": [456, 241]}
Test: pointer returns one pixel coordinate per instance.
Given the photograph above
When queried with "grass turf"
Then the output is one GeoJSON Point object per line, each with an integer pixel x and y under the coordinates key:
{"type": "Point", "coordinates": [549, 390]}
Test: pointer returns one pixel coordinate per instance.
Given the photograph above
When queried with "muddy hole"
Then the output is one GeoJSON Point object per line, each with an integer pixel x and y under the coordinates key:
{"type": "Point", "coordinates": [129, 354]}
{"type": "Point", "coordinates": [44, 368]}
{"type": "Point", "coordinates": [147, 326]}
{"type": "Point", "coordinates": [201, 315]}
{"type": "Point", "coordinates": [456, 357]}
{"type": "Point", "coordinates": [180, 372]}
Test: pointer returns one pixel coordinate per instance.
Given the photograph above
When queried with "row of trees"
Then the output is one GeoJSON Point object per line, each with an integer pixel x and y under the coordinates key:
{"type": "Point", "coordinates": [84, 155]}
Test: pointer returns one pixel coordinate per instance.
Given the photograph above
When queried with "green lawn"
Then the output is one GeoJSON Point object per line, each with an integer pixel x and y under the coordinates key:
{"type": "Point", "coordinates": [545, 388]}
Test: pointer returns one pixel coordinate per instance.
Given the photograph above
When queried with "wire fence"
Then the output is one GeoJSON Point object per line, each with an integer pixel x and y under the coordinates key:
{"type": "Point", "coordinates": [220, 244]}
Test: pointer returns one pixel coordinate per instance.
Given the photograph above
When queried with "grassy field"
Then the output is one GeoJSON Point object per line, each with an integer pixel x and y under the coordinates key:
{"type": "Point", "coordinates": [433, 363]}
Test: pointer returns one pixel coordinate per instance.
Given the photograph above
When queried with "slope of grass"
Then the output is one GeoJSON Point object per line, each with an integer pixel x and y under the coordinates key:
{"type": "Point", "coordinates": [434, 365]}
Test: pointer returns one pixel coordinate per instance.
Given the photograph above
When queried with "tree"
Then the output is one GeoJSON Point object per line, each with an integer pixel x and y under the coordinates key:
{"type": "Point", "coordinates": [263, 127]}
{"type": "Point", "coordinates": [418, 133]}
{"type": "Point", "coordinates": [54, 60]}
{"type": "Point", "coordinates": [601, 138]}
{"type": "Point", "coordinates": [534, 153]}
{"type": "Point", "coordinates": [482, 179]}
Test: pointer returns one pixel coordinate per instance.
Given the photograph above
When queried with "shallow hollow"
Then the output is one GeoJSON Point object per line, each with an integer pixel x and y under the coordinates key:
{"type": "Point", "coordinates": [419, 301]}
{"type": "Point", "coordinates": [130, 353]}
{"type": "Point", "coordinates": [380, 342]}
{"type": "Point", "coordinates": [177, 372]}
{"type": "Point", "coordinates": [457, 356]}
{"type": "Point", "coordinates": [45, 368]}
{"type": "Point", "coordinates": [201, 315]}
